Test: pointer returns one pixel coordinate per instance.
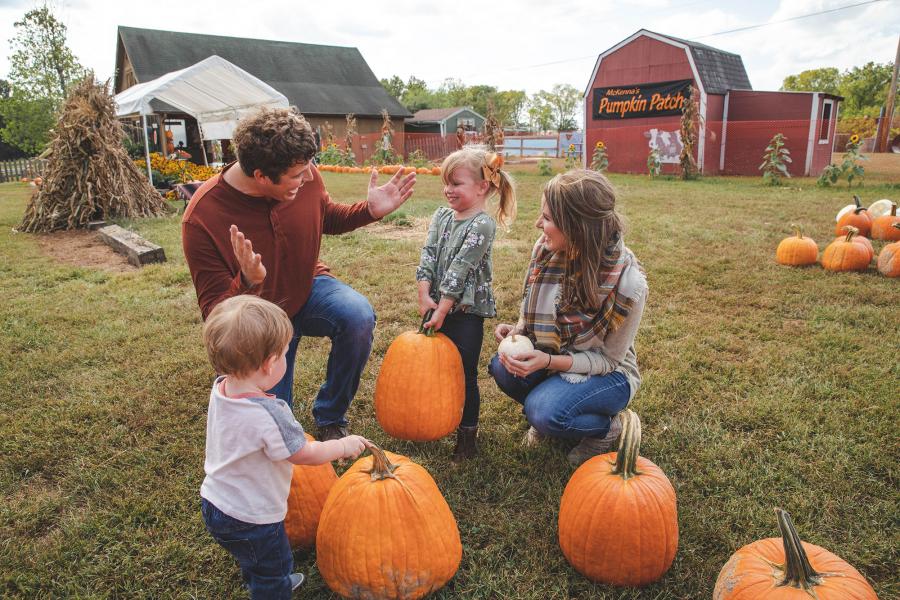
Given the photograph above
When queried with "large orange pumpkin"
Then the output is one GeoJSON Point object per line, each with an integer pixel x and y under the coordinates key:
{"type": "Point", "coordinates": [889, 259]}
{"type": "Point", "coordinates": [883, 227]}
{"type": "Point", "coordinates": [386, 531]}
{"type": "Point", "coordinates": [858, 239]}
{"type": "Point", "coordinates": [797, 250]}
{"type": "Point", "coordinates": [618, 522]}
{"type": "Point", "coordinates": [858, 217]}
{"type": "Point", "coordinates": [420, 390]}
{"type": "Point", "coordinates": [845, 255]}
{"type": "Point", "coordinates": [310, 485]}
{"type": "Point", "coordinates": [786, 568]}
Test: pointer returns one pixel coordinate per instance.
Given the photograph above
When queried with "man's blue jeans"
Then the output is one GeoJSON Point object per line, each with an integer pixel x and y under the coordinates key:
{"type": "Point", "coordinates": [561, 409]}
{"type": "Point", "coordinates": [337, 311]}
{"type": "Point", "coordinates": [262, 551]}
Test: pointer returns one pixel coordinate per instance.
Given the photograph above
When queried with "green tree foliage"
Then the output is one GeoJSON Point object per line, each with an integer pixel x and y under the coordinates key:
{"type": "Point", "coordinates": [864, 88]}
{"type": "Point", "coordinates": [564, 102]}
{"type": "Point", "coordinates": [42, 68]}
{"type": "Point", "coordinates": [827, 80]}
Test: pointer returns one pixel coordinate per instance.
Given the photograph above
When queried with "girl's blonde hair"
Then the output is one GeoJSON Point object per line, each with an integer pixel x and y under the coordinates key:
{"type": "Point", "coordinates": [242, 332]}
{"type": "Point", "coordinates": [582, 204]}
{"type": "Point", "coordinates": [478, 159]}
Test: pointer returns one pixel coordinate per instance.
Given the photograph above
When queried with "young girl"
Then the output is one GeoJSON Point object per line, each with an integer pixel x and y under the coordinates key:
{"type": "Point", "coordinates": [454, 274]}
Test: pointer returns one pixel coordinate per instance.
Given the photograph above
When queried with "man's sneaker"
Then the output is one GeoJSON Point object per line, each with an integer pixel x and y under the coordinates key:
{"type": "Point", "coordinates": [592, 446]}
{"type": "Point", "coordinates": [297, 580]}
{"type": "Point", "coordinates": [335, 431]}
{"type": "Point", "coordinates": [533, 437]}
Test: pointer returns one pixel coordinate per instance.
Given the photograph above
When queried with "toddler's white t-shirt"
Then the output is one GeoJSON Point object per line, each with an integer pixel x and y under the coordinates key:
{"type": "Point", "coordinates": [248, 440]}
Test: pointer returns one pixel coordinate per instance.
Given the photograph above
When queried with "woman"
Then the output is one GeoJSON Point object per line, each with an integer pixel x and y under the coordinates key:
{"type": "Point", "coordinates": [582, 304]}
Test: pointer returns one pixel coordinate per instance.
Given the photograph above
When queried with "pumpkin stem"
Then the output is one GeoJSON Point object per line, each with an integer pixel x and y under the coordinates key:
{"type": "Point", "coordinates": [798, 573]}
{"type": "Point", "coordinates": [629, 445]}
{"type": "Point", "coordinates": [851, 231]}
{"type": "Point", "coordinates": [382, 467]}
{"type": "Point", "coordinates": [430, 331]}
{"type": "Point", "coordinates": [796, 229]}
{"type": "Point", "coordinates": [856, 200]}
{"type": "Point", "coordinates": [893, 209]}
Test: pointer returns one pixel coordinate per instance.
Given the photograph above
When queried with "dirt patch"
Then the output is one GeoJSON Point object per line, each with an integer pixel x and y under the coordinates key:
{"type": "Point", "coordinates": [83, 248]}
{"type": "Point", "coordinates": [416, 230]}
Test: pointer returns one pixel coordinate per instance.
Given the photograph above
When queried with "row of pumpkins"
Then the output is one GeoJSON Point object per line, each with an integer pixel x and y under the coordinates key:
{"type": "Point", "coordinates": [384, 169]}
{"type": "Point", "coordinates": [851, 250]}
{"type": "Point", "coordinates": [395, 505]}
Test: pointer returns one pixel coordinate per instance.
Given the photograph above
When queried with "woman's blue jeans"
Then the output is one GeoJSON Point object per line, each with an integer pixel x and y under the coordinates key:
{"type": "Point", "coordinates": [558, 408]}
{"type": "Point", "coordinates": [262, 551]}
{"type": "Point", "coordinates": [337, 311]}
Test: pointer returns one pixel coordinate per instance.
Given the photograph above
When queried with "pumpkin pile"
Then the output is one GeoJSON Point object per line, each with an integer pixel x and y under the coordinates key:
{"type": "Point", "coordinates": [384, 169]}
{"type": "Point", "coordinates": [852, 249]}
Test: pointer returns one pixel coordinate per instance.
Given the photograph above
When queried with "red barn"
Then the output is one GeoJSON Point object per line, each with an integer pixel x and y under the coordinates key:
{"type": "Point", "coordinates": [638, 90]}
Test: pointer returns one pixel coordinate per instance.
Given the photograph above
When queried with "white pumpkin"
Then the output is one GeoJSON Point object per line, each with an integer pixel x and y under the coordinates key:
{"type": "Point", "coordinates": [514, 345]}
{"type": "Point", "coordinates": [879, 208]}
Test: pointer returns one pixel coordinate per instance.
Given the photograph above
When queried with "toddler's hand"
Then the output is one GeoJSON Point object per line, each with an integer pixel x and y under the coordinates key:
{"type": "Point", "coordinates": [353, 445]}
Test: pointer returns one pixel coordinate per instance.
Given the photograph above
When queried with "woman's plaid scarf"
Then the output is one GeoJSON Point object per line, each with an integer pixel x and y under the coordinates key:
{"type": "Point", "coordinates": [574, 327]}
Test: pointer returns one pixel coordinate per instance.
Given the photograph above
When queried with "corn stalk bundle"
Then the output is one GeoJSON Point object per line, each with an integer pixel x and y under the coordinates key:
{"type": "Point", "coordinates": [89, 175]}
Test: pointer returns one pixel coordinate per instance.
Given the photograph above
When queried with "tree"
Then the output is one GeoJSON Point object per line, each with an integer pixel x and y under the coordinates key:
{"type": "Point", "coordinates": [508, 107]}
{"type": "Point", "coordinates": [540, 113]}
{"type": "Point", "coordinates": [42, 68]}
{"type": "Point", "coordinates": [865, 89]}
{"type": "Point", "coordinates": [394, 86]}
{"type": "Point", "coordinates": [827, 80]}
{"type": "Point", "coordinates": [563, 101]}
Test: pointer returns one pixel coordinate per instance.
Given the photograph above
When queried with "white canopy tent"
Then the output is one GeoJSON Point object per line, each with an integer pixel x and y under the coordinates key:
{"type": "Point", "coordinates": [214, 91]}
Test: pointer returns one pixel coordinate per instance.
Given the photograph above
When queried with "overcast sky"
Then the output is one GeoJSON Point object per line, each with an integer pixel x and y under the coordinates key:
{"type": "Point", "coordinates": [510, 44]}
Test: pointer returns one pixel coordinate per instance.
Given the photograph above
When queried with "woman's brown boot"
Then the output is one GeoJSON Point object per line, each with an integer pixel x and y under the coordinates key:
{"type": "Point", "coordinates": [465, 443]}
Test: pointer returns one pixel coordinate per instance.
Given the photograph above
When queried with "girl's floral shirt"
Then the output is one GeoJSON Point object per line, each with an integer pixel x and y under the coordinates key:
{"type": "Point", "coordinates": [456, 259]}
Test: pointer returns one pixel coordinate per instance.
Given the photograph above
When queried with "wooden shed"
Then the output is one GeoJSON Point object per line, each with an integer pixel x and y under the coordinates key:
{"type": "Point", "coordinates": [636, 93]}
{"type": "Point", "coordinates": [444, 120]}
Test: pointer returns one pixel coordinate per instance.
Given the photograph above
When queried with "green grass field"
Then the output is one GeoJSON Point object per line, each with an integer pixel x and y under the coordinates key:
{"type": "Point", "coordinates": [764, 386]}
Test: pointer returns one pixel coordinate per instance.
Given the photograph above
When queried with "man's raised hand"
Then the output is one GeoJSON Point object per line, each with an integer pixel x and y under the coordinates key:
{"type": "Point", "coordinates": [385, 199]}
{"type": "Point", "coordinates": [252, 269]}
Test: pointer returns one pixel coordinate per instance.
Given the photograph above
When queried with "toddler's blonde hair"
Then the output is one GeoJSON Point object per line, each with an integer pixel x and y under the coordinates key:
{"type": "Point", "coordinates": [242, 332]}
{"type": "Point", "coordinates": [473, 157]}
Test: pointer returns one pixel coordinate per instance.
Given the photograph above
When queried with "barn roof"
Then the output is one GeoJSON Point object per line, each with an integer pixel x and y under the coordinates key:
{"type": "Point", "coordinates": [718, 70]}
{"type": "Point", "coordinates": [318, 80]}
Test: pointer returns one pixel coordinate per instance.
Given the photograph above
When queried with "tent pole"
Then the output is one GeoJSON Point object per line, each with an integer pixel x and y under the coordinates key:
{"type": "Point", "coordinates": [147, 149]}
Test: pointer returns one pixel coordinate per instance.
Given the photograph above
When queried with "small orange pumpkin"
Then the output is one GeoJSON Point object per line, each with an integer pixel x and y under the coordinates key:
{"type": "Point", "coordinates": [883, 226]}
{"type": "Point", "coordinates": [386, 531]}
{"type": "Point", "coordinates": [797, 250]}
{"type": "Point", "coordinates": [845, 255]}
{"type": "Point", "coordinates": [787, 568]}
{"type": "Point", "coordinates": [420, 389]}
{"type": "Point", "coordinates": [618, 522]}
{"type": "Point", "coordinates": [889, 259]}
{"type": "Point", "coordinates": [310, 485]}
{"type": "Point", "coordinates": [858, 217]}
{"type": "Point", "coordinates": [858, 239]}
{"type": "Point", "coordinates": [423, 171]}
{"type": "Point", "coordinates": [435, 170]}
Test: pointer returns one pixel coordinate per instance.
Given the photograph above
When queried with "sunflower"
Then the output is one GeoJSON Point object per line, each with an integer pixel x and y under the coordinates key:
{"type": "Point", "coordinates": [600, 145]}
{"type": "Point", "coordinates": [854, 139]}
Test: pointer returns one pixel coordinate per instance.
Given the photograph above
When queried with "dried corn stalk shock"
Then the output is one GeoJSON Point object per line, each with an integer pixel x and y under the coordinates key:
{"type": "Point", "coordinates": [89, 175]}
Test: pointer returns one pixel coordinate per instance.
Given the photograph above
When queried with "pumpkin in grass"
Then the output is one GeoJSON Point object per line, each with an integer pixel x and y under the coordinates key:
{"type": "Point", "coordinates": [858, 217]}
{"type": "Point", "coordinates": [310, 485]}
{"type": "Point", "coordinates": [787, 568]}
{"type": "Point", "coordinates": [435, 170]}
{"type": "Point", "coordinates": [889, 259]}
{"type": "Point", "coordinates": [420, 389]}
{"type": "Point", "coordinates": [386, 531]}
{"type": "Point", "coordinates": [843, 254]}
{"type": "Point", "coordinates": [883, 226]}
{"type": "Point", "coordinates": [858, 239]}
{"type": "Point", "coordinates": [797, 250]}
{"type": "Point", "coordinates": [617, 518]}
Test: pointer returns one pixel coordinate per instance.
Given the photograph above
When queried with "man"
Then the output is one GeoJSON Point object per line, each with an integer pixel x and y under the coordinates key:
{"type": "Point", "coordinates": [256, 228]}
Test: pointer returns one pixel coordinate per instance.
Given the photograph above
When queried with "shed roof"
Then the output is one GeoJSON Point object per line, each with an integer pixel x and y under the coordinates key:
{"type": "Point", "coordinates": [318, 80]}
{"type": "Point", "coordinates": [437, 115]}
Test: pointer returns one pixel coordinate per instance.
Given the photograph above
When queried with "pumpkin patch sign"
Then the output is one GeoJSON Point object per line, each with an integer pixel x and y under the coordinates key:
{"type": "Point", "coordinates": [641, 100]}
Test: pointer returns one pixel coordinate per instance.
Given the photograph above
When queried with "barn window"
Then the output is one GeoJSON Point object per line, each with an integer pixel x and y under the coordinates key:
{"type": "Point", "coordinates": [467, 123]}
{"type": "Point", "coordinates": [825, 127]}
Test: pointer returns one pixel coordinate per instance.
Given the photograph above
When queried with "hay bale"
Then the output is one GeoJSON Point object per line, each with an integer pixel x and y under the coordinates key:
{"type": "Point", "coordinates": [89, 175]}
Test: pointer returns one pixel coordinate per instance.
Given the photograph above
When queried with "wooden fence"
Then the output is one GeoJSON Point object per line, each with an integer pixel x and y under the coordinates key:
{"type": "Point", "coordinates": [14, 170]}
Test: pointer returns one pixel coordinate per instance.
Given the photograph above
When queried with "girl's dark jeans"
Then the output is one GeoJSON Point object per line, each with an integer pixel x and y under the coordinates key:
{"type": "Point", "coordinates": [466, 331]}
